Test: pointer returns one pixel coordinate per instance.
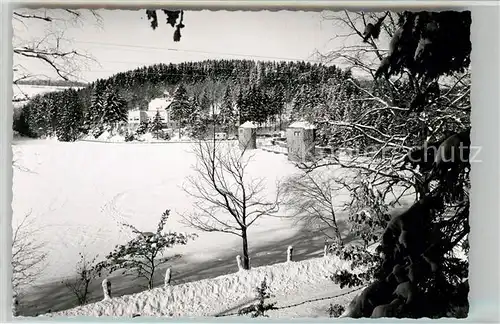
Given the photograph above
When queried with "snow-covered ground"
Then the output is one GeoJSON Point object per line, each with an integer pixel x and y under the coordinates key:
{"type": "Point", "coordinates": [79, 192]}
{"type": "Point", "coordinates": [299, 289]}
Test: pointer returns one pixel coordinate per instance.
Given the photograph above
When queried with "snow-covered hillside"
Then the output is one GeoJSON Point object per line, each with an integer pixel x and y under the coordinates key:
{"type": "Point", "coordinates": [300, 289]}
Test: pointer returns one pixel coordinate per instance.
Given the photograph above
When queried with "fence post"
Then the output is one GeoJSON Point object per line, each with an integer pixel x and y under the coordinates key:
{"type": "Point", "coordinates": [106, 289]}
{"type": "Point", "coordinates": [168, 276]}
{"type": "Point", "coordinates": [325, 250]}
{"type": "Point", "coordinates": [289, 254]}
{"type": "Point", "coordinates": [238, 261]}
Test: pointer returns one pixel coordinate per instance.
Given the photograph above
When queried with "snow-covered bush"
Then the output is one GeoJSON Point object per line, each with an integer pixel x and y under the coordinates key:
{"type": "Point", "coordinates": [164, 135]}
{"type": "Point", "coordinates": [129, 137]}
{"type": "Point", "coordinates": [142, 254]}
{"type": "Point", "coordinates": [335, 310]}
{"type": "Point", "coordinates": [97, 131]}
{"type": "Point", "coordinates": [143, 128]}
{"type": "Point", "coordinates": [259, 309]}
{"type": "Point", "coordinates": [122, 129]}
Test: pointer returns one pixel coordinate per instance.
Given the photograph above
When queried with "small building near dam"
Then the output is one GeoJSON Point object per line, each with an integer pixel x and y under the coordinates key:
{"type": "Point", "coordinates": [247, 136]}
{"type": "Point", "coordinates": [300, 139]}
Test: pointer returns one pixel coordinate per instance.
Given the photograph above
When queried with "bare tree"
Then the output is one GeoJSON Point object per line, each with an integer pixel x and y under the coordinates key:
{"type": "Point", "coordinates": [379, 121]}
{"type": "Point", "coordinates": [380, 124]}
{"type": "Point", "coordinates": [360, 58]}
{"type": "Point", "coordinates": [227, 200]}
{"type": "Point", "coordinates": [314, 199]}
{"type": "Point", "coordinates": [386, 122]}
{"type": "Point", "coordinates": [28, 255]}
{"type": "Point", "coordinates": [85, 274]}
{"type": "Point", "coordinates": [39, 37]}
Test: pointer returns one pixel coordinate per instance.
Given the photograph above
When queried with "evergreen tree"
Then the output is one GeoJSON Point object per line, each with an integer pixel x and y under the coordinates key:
{"type": "Point", "coordinates": [156, 125]}
{"type": "Point", "coordinates": [143, 128]}
{"type": "Point", "coordinates": [227, 116]}
{"type": "Point", "coordinates": [116, 108]}
{"type": "Point", "coordinates": [198, 125]}
{"type": "Point", "coordinates": [40, 119]}
{"type": "Point", "coordinates": [279, 103]}
{"type": "Point", "coordinates": [54, 105]}
{"type": "Point", "coordinates": [180, 106]}
{"type": "Point", "coordinates": [20, 122]}
{"type": "Point", "coordinates": [243, 111]}
{"type": "Point", "coordinates": [97, 104]}
{"type": "Point", "coordinates": [257, 107]}
{"type": "Point", "coordinates": [308, 103]}
{"type": "Point", "coordinates": [71, 117]}
{"type": "Point", "coordinates": [27, 113]}
{"type": "Point", "coordinates": [197, 120]}
{"type": "Point", "coordinates": [95, 122]}
{"type": "Point", "coordinates": [206, 103]}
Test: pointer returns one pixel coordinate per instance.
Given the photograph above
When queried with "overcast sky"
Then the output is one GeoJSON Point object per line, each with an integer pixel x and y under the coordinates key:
{"type": "Point", "coordinates": [125, 40]}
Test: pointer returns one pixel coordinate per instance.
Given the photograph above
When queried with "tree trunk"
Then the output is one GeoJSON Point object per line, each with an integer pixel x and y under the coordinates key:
{"type": "Point", "coordinates": [336, 228]}
{"type": "Point", "coordinates": [339, 236]}
{"type": "Point", "coordinates": [150, 281]}
{"type": "Point", "coordinates": [246, 258]}
{"type": "Point", "coordinates": [422, 187]}
{"type": "Point", "coordinates": [85, 292]}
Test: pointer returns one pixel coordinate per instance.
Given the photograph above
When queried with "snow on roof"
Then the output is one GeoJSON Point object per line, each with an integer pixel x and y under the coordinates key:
{"type": "Point", "coordinates": [159, 103]}
{"type": "Point", "coordinates": [302, 124]}
{"type": "Point", "coordinates": [248, 124]}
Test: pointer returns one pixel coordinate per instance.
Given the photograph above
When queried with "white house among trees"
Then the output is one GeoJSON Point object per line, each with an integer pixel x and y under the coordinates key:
{"type": "Point", "coordinates": [136, 117]}
{"type": "Point", "coordinates": [161, 105]}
